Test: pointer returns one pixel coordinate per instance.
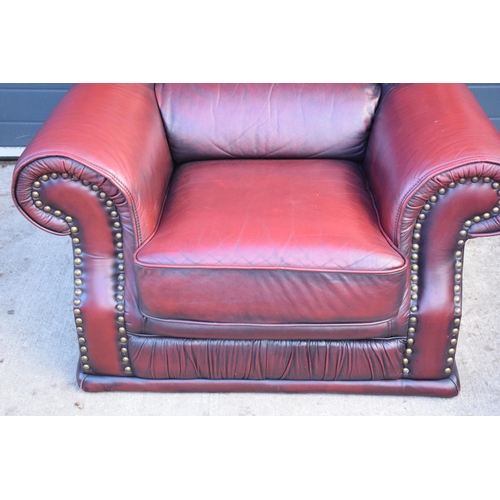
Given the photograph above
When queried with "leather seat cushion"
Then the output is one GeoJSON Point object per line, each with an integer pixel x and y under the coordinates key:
{"type": "Point", "coordinates": [270, 241]}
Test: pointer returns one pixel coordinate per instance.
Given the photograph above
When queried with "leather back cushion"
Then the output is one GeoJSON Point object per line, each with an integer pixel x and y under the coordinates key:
{"type": "Point", "coordinates": [217, 121]}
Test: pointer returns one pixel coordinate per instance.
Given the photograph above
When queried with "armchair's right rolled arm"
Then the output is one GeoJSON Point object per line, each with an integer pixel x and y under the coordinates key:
{"type": "Point", "coordinates": [427, 135]}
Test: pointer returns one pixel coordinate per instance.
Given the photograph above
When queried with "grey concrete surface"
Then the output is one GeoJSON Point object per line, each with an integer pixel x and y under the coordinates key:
{"type": "Point", "coordinates": [38, 349]}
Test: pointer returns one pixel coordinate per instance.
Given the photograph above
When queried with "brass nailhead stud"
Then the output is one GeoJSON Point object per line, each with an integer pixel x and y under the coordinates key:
{"type": "Point", "coordinates": [418, 225]}
{"type": "Point", "coordinates": [79, 329]}
{"type": "Point", "coordinates": [486, 179]}
{"type": "Point", "coordinates": [421, 216]}
{"type": "Point", "coordinates": [411, 330]}
{"type": "Point", "coordinates": [124, 350]}
{"type": "Point", "coordinates": [83, 349]}
{"type": "Point", "coordinates": [468, 223]}
{"type": "Point", "coordinates": [413, 308]}
{"type": "Point", "coordinates": [128, 369]}
{"type": "Point", "coordinates": [102, 195]}
{"type": "Point", "coordinates": [38, 203]}
{"type": "Point", "coordinates": [457, 288]}
{"type": "Point", "coordinates": [449, 361]}
{"type": "Point", "coordinates": [475, 179]}
{"type": "Point", "coordinates": [79, 321]}
{"type": "Point", "coordinates": [410, 341]}
{"type": "Point", "coordinates": [77, 302]}
{"type": "Point", "coordinates": [37, 184]}
{"type": "Point", "coordinates": [85, 183]}
{"type": "Point", "coordinates": [433, 198]}
{"type": "Point", "coordinates": [118, 236]}
{"type": "Point", "coordinates": [453, 341]}
{"type": "Point", "coordinates": [406, 361]}
{"type": "Point", "coordinates": [76, 241]}
{"type": "Point", "coordinates": [68, 218]}
{"type": "Point", "coordinates": [477, 218]}
{"type": "Point", "coordinates": [125, 359]}
{"type": "Point", "coordinates": [406, 371]}
{"type": "Point", "coordinates": [462, 180]}
{"type": "Point", "coordinates": [414, 267]}
{"type": "Point", "coordinates": [35, 194]}
{"type": "Point", "coordinates": [458, 254]}
{"type": "Point", "coordinates": [78, 282]}
{"type": "Point", "coordinates": [78, 251]}
{"type": "Point", "coordinates": [120, 307]}
{"type": "Point", "coordinates": [414, 288]}
{"type": "Point", "coordinates": [442, 191]}
{"type": "Point", "coordinates": [85, 358]}
{"type": "Point", "coordinates": [78, 261]}
{"type": "Point", "coordinates": [109, 203]}
{"type": "Point", "coordinates": [427, 206]}
{"type": "Point", "coordinates": [47, 209]}
{"type": "Point", "coordinates": [461, 243]}
{"type": "Point", "coordinates": [451, 351]}
{"type": "Point", "coordinates": [486, 216]}
{"type": "Point", "coordinates": [414, 296]}
{"type": "Point", "coordinates": [77, 311]}
{"type": "Point", "coordinates": [458, 311]}
{"type": "Point", "coordinates": [121, 319]}
{"type": "Point", "coordinates": [78, 272]}
{"type": "Point", "coordinates": [123, 340]}
{"type": "Point", "coordinates": [452, 184]}
{"type": "Point", "coordinates": [65, 175]}
{"type": "Point", "coordinates": [114, 213]}
{"type": "Point", "coordinates": [414, 277]}
{"type": "Point", "coordinates": [495, 185]}
{"type": "Point", "coordinates": [413, 319]}
{"type": "Point", "coordinates": [463, 232]}
{"type": "Point", "coordinates": [45, 177]}
{"type": "Point", "coordinates": [95, 188]}
{"type": "Point", "coordinates": [447, 371]}
{"type": "Point", "coordinates": [408, 351]}
{"type": "Point", "coordinates": [458, 277]}
{"type": "Point", "coordinates": [119, 245]}
{"type": "Point", "coordinates": [456, 298]}
{"type": "Point", "coordinates": [456, 321]}
{"type": "Point", "coordinates": [57, 213]}
{"type": "Point", "coordinates": [86, 367]}
{"type": "Point", "coordinates": [454, 331]}
{"type": "Point", "coordinates": [81, 340]}
{"type": "Point", "coordinates": [495, 210]}
{"type": "Point", "coordinates": [74, 229]}
{"type": "Point", "coordinates": [78, 292]}
{"type": "Point", "coordinates": [122, 330]}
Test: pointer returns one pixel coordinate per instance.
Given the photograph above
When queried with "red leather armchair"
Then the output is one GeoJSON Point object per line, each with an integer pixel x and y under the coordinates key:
{"type": "Point", "coordinates": [266, 237]}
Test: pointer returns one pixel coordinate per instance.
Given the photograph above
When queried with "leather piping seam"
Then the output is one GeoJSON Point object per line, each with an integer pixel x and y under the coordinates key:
{"type": "Point", "coordinates": [272, 325]}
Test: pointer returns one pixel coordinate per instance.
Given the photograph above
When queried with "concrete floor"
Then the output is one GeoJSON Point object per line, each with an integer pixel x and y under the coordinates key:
{"type": "Point", "coordinates": [38, 349]}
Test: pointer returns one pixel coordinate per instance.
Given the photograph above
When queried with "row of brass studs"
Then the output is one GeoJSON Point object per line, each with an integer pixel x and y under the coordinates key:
{"type": "Point", "coordinates": [457, 298]}
{"type": "Point", "coordinates": [78, 261]}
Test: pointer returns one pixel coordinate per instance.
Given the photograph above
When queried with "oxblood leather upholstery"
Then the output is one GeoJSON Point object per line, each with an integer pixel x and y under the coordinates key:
{"type": "Point", "coordinates": [270, 241]}
{"type": "Point", "coordinates": [266, 237]}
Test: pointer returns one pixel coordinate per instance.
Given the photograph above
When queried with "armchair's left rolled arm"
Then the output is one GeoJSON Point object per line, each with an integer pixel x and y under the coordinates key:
{"type": "Point", "coordinates": [113, 130]}
{"type": "Point", "coordinates": [98, 170]}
